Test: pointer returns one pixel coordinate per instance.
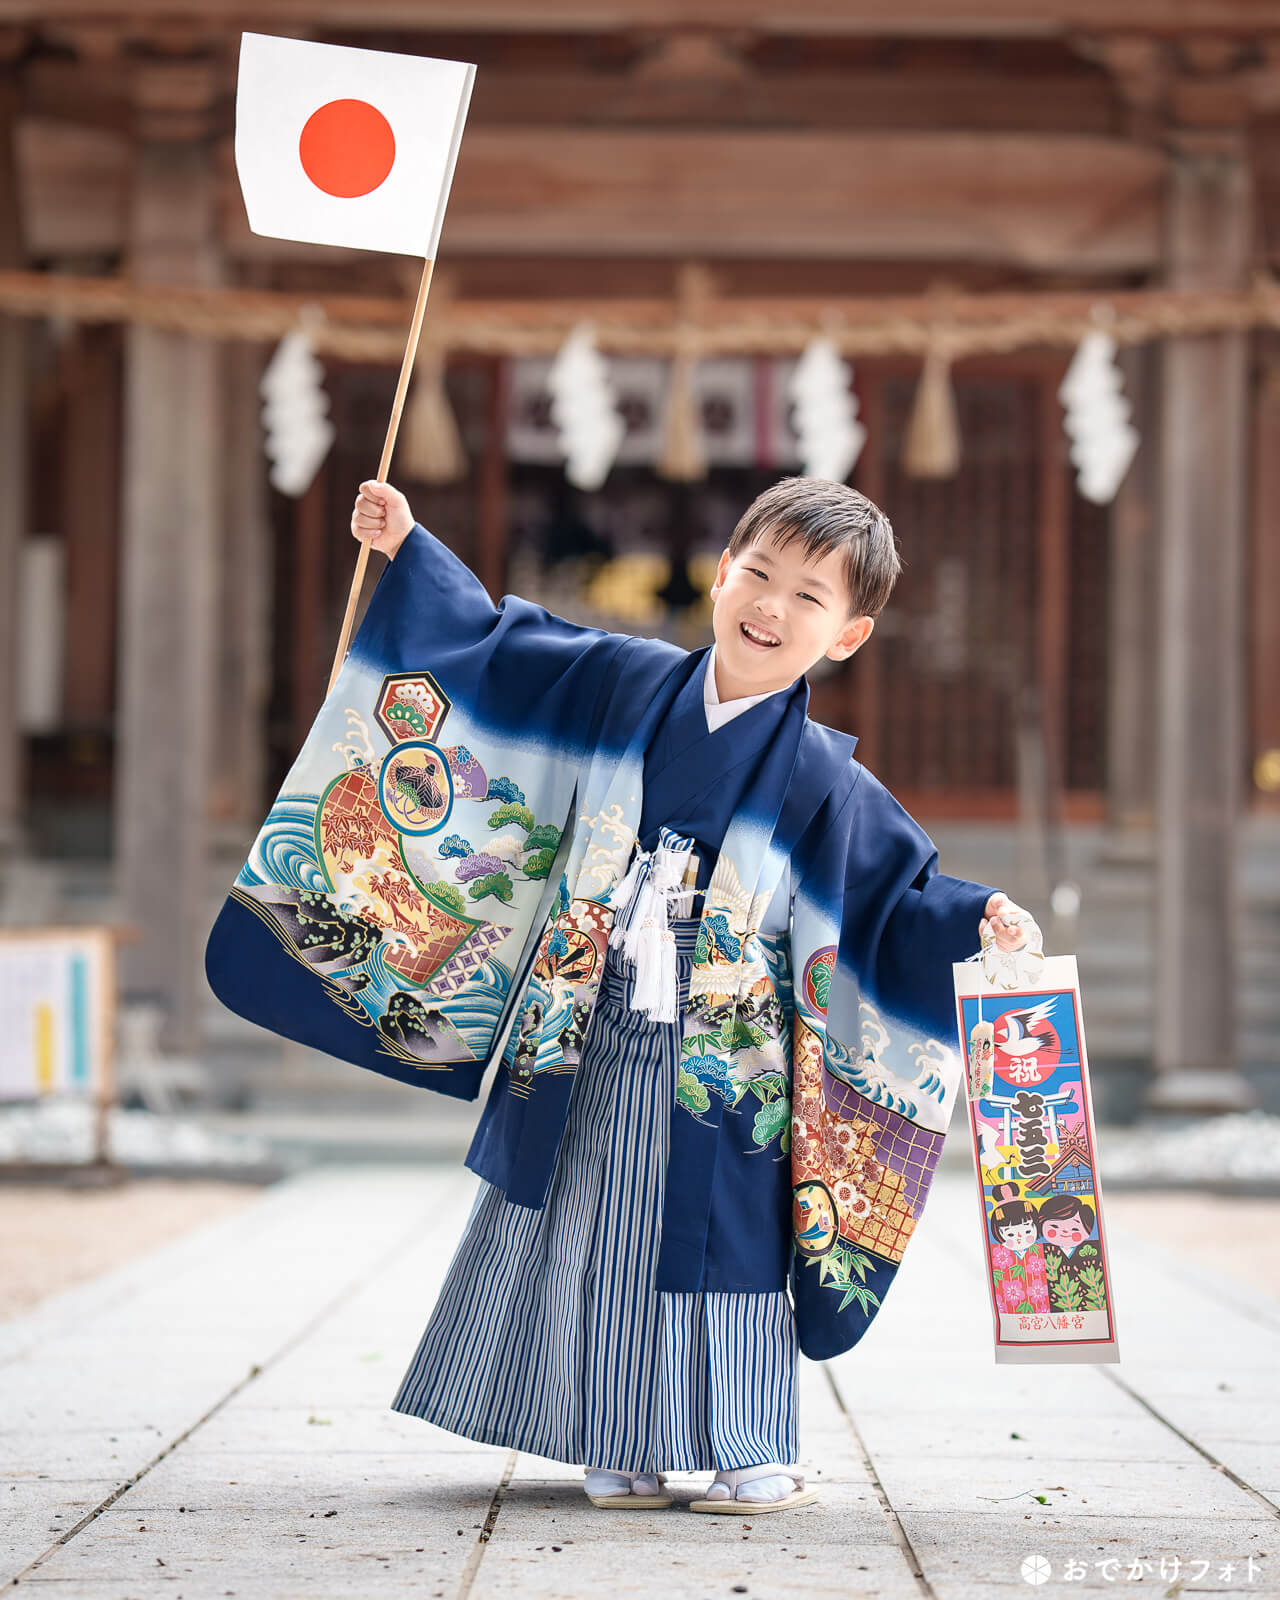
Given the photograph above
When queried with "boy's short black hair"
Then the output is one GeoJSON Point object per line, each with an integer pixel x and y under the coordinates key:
{"type": "Point", "coordinates": [828, 516]}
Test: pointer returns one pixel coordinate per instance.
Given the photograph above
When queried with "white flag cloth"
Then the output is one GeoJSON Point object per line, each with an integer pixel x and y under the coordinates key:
{"type": "Point", "coordinates": [348, 147]}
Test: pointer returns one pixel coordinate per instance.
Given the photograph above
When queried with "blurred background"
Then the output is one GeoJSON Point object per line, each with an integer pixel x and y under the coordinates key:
{"type": "Point", "coordinates": [1076, 686]}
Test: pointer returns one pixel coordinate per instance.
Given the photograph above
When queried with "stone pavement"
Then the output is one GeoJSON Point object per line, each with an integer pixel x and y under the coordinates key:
{"type": "Point", "coordinates": [213, 1421]}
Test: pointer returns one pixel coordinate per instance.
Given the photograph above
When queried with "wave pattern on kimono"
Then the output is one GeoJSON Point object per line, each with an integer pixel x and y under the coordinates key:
{"type": "Point", "coordinates": [431, 892]}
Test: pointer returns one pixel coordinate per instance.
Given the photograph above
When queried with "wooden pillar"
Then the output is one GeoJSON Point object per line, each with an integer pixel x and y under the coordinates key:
{"type": "Point", "coordinates": [1264, 587]}
{"type": "Point", "coordinates": [313, 640]}
{"type": "Point", "coordinates": [90, 491]}
{"type": "Point", "coordinates": [491, 563]}
{"type": "Point", "coordinates": [1199, 713]}
{"type": "Point", "coordinates": [170, 531]}
{"type": "Point", "coordinates": [1052, 601]}
{"type": "Point", "coordinates": [1131, 623]}
{"type": "Point", "coordinates": [862, 673]}
{"type": "Point", "coordinates": [245, 609]}
{"type": "Point", "coordinates": [13, 475]}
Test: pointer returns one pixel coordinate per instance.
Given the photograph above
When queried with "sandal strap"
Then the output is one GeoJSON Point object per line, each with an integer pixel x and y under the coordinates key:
{"type": "Point", "coordinates": [732, 1477]}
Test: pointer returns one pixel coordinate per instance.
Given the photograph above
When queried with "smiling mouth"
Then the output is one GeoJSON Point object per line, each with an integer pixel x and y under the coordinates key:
{"type": "Point", "coordinates": [757, 638]}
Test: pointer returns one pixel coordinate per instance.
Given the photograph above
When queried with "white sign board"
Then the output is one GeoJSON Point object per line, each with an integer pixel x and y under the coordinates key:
{"type": "Point", "coordinates": [57, 994]}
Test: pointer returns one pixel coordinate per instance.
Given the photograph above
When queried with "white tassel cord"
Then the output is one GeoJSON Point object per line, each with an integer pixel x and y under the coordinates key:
{"type": "Point", "coordinates": [646, 895]}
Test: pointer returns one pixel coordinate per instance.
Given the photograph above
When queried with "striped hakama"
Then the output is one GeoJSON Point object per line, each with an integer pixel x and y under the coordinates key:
{"type": "Point", "coordinates": [548, 1336]}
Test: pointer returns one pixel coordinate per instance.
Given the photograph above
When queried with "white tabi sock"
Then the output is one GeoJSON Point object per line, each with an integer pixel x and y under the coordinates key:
{"type": "Point", "coordinates": [759, 1489]}
{"type": "Point", "coordinates": [601, 1481]}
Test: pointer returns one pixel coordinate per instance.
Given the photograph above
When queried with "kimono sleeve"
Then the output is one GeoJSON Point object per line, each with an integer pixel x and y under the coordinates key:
{"type": "Point", "coordinates": [400, 874]}
{"type": "Point", "coordinates": [905, 922]}
{"type": "Point", "coordinates": [515, 665]}
{"type": "Point", "coordinates": [875, 1072]}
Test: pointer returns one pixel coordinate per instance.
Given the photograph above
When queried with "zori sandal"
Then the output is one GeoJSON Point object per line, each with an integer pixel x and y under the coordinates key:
{"type": "Point", "coordinates": [731, 1505]}
{"type": "Point", "coordinates": [604, 1488]}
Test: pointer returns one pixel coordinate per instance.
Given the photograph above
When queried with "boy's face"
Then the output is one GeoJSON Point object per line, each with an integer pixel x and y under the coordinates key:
{"type": "Point", "coordinates": [779, 593]}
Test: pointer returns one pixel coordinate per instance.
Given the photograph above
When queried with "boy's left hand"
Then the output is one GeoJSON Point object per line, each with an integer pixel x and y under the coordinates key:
{"type": "Point", "coordinates": [1008, 923]}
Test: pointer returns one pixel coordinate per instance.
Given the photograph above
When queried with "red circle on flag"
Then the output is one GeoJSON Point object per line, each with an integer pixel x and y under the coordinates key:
{"type": "Point", "coordinates": [347, 148]}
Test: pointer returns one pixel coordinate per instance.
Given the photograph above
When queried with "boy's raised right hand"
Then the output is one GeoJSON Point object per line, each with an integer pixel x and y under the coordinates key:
{"type": "Point", "coordinates": [381, 517]}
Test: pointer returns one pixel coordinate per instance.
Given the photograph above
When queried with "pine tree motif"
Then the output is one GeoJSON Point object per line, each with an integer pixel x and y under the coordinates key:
{"type": "Point", "coordinates": [1064, 1291]}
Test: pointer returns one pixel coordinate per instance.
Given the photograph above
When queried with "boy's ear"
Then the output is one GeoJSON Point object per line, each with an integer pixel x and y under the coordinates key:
{"type": "Point", "coordinates": [722, 571]}
{"type": "Point", "coordinates": [852, 637]}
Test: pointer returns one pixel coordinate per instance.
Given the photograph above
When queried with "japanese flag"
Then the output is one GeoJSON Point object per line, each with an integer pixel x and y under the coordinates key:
{"type": "Point", "coordinates": [348, 147]}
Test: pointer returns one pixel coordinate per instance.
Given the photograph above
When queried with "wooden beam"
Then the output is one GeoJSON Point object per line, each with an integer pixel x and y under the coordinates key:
{"type": "Point", "coordinates": [979, 101]}
{"type": "Point", "coordinates": [848, 18]}
{"type": "Point", "coordinates": [961, 96]}
{"type": "Point", "coordinates": [1050, 201]}
{"type": "Point", "coordinates": [77, 92]}
{"type": "Point", "coordinates": [75, 185]}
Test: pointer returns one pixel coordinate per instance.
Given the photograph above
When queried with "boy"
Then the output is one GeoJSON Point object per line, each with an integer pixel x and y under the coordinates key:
{"type": "Point", "coordinates": [721, 1068]}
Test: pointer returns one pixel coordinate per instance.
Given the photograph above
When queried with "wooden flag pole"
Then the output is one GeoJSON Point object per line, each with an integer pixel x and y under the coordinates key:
{"type": "Point", "coordinates": [384, 466]}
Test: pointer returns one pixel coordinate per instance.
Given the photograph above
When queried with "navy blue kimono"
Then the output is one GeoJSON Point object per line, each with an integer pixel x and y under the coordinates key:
{"type": "Point", "coordinates": [432, 892]}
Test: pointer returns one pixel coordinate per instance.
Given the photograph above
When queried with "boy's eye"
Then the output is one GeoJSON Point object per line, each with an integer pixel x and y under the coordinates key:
{"type": "Point", "coordinates": [765, 576]}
